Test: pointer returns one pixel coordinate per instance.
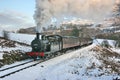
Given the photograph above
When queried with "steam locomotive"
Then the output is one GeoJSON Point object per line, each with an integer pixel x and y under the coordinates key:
{"type": "Point", "coordinates": [42, 47]}
{"type": "Point", "coordinates": [45, 45]}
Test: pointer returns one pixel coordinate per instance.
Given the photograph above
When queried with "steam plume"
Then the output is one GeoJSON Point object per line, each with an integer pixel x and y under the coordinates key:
{"type": "Point", "coordinates": [59, 9]}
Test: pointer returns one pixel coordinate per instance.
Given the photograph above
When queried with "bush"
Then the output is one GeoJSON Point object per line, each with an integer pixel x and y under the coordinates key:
{"type": "Point", "coordinates": [13, 56]}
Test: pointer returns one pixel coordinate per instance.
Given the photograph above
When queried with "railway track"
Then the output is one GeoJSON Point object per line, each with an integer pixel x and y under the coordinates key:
{"type": "Point", "coordinates": [15, 65]}
{"type": "Point", "coordinates": [20, 67]}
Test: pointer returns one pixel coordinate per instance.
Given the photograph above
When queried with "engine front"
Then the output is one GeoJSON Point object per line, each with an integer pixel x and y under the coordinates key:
{"type": "Point", "coordinates": [39, 46]}
{"type": "Point", "coordinates": [36, 45]}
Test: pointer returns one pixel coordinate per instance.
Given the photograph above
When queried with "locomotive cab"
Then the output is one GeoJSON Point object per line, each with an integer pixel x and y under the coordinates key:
{"type": "Point", "coordinates": [47, 44]}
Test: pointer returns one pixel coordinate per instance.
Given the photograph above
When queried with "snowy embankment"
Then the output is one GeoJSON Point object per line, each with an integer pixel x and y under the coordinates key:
{"type": "Point", "coordinates": [83, 65]}
{"type": "Point", "coordinates": [88, 63]}
{"type": "Point", "coordinates": [99, 42]}
{"type": "Point", "coordinates": [8, 46]}
{"type": "Point", "coordinates": [23, 38]}
{"type": "Point", "coordinates": [45, 69]}
{"type": "Point", "coordinates": [14, 48]}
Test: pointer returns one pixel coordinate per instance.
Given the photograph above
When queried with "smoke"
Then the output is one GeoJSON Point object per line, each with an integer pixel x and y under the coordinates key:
{"type": "Point", "coordinates": [95, 10]}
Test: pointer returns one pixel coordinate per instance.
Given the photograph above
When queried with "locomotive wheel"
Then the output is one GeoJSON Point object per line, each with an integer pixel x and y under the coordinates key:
{"type": "Point", "coordinates": [42, 57]}
{"type": "Point", "coordinates": [34, 57]}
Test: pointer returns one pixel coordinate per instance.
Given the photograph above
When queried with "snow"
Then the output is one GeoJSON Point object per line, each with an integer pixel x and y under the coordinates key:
{"type": "Point", "coordinates": [79, 22]}
{"type": "Point", "coordinates": [1, 33]}
{"type": "Point", "coordinates": [16, 68]}
{"type": "Point", "coordinates": [82, 64]}
{"type": "Point", "coordinates": [99, 42]}
{"type": "Point", "coordinates": [76, 65]}
{"type": "Point", "coordinates": [37, 70]}
{"type": "Point", "coordinates": [24, 38]}
{"type": "Point", "coordinates": [1, 55]}
{"type": "Point", "coordinates": [116, 50]}
{"type": "Point", "coordinates": [18, 47]}
{"type": "Point", "coordinates": [16, 63]}
{"type": "Point", "coordinates": [117, 31]}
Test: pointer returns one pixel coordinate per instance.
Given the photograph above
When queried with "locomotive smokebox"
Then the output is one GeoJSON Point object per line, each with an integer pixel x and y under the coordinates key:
{"type": "Point", "coordinates": [37, 35]}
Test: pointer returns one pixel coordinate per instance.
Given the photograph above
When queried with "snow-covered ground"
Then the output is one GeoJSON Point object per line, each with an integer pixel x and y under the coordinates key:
{"type": "Point", "coordinates": [1, 33]}
{"type": "Point", "coordinates": [90, 63]}
{"type": "Point", "coordinates": [7, 46]}
{"type": "Point", "coordinates": [82, 64]}
{"type": "Point", "coordinates": [24, 38]}
{"type": "Point", "coordinates": [99, 42]}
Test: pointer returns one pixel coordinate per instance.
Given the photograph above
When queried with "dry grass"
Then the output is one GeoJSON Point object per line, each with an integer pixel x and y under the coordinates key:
{"type": "Point", "coordinates": [107, 56]}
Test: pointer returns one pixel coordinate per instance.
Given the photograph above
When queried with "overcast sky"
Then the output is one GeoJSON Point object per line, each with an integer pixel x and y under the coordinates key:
{"type": "Point", "coordinates": [15, 14]}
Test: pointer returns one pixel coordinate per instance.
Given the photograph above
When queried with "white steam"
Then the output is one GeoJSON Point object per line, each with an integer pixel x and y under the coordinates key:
{"type": "Point", "coordinates": [59, 9]}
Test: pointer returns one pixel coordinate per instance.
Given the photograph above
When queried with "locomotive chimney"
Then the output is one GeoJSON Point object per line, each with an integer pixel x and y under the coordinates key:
{"type": "Point", "coordinates": [37, 35]}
